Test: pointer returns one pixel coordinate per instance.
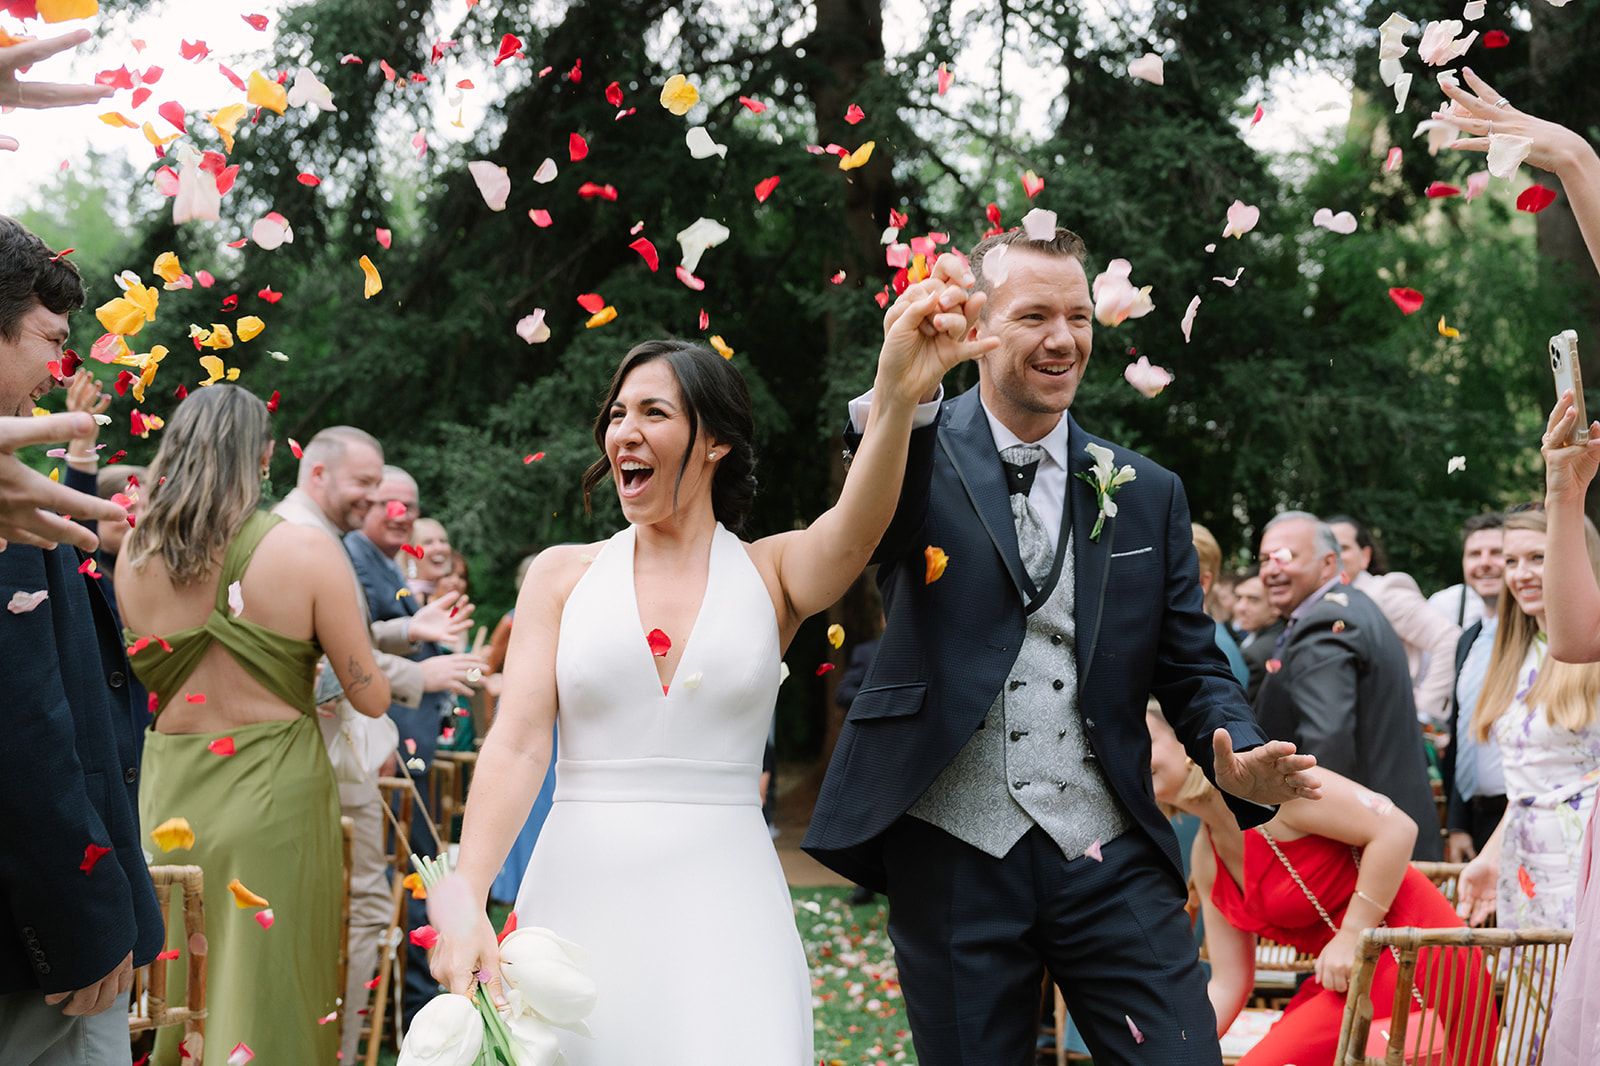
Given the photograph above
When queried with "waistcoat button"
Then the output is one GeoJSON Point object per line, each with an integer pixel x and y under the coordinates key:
{"type": "Point", "coordinates": [1058, 684]}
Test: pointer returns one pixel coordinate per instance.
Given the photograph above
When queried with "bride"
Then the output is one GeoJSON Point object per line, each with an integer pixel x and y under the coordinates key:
{"type": "Point", "coordinates": [659, 651]}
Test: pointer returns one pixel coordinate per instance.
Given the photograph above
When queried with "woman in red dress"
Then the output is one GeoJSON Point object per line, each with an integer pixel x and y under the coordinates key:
{"type": "Point", "coordinates": [1298, 880]}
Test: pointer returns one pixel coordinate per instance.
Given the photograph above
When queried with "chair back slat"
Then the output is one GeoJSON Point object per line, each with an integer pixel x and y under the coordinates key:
{"type": "Point", "coordinates": [148, 1007]}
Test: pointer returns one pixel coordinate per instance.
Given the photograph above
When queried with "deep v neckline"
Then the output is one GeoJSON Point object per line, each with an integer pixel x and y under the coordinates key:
{"type": "Point", "coordinates": [641, 636]}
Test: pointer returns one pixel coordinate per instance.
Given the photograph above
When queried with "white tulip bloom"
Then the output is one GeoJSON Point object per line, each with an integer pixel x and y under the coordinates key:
{"type": "Point", "coordinates": [543, 974]}
{"type": "Point", "coordinates": [447, 1031]}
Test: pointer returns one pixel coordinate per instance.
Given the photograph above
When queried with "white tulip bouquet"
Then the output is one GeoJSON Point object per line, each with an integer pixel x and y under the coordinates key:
{"type": "Point", "coordinates": [545, 990]}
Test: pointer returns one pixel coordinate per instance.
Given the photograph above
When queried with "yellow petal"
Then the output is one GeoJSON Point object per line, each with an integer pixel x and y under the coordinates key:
{"type": "Point", "coordinates": [937, 560]}
{"type": "Point", "coordinates": [402, 592]}
{"type": "Point", "coordinates": [836, 636]}
{"type": "Point", "coordinates": [167, 267]}
{"type": "Point", "coordinates": [226, 121]}
{"type": "Point", "coordinates": [268, 94]}
{"type": "Point", "coordinates": [221, 337]}
{"type": "Point", "coordinates": [233, 373]}
{"type": "Point", "coordinates": [173, 833]}
{"type": "Point", "coordinates": [112, 118]}
{"type": "Point", "coordinates": [601, 317]}
{"type": "Point", "coordinates": [63, 10]}
{"type": "Point", "coordinates": [214, 369]}
{"type": "Point", "coordinates": [145, 299]}
{"type": "Point", "coordinates": [919, 269]}
{"type": "Point", "coordinates": [120, 316]}
{"type": "Point", "coordinates": [721, 347]}
{"type": "Point", "coordinates": [55, 472]}
{"type": "Point", "coordinates": [858, 157]}
{"type": "Point", "coordinates": [1447, 331]}
{"type": "Point", "coordinates": [249, 328]}
{"type": "Point", "coordinates": [678, 95]}
{"type": "Point", "coordinates": [243, 897]}
{"type": "Point", "coordinates": [155, 138]}
{"type": "Point", "coordinates": [374, 284]}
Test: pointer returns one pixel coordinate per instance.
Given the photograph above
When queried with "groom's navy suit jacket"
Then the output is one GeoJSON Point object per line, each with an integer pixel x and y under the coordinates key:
{"type": "Point", "coordinates": [949, 645]}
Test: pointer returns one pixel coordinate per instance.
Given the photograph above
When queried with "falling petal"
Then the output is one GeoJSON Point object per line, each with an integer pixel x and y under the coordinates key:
{"type": "Point", "coordinates": [1439, 190]}
{"type": "Point", "coordinates": [23, 602]}
{"type": "Point", "coordinates": [1535, 198]}
{"type": "Point", "coordinates": [373, 284]}
{"type": "Point", "coordinates": [764, 188]}
{"type": "Point", "coordinates": [936, 561]}
{"type": "Point", "coordinates": [1402, 90]}
{"type": "Point", "coordinates": [1439, 44]}
{"type": "Point", "coordinates": [692, 682]}
{"type": "Point", "coordinates": [1149, 380]}
{"type": "Point", "coordinates": [836, 635]}
{"type": "Point", "coordinates": [1477, 185]}
{"type": "Point", "coordinates": [425, 937]}
{"type": "Point", "coordinates": [1474, 11]}
{"type": "Point", "coordinates": [1148, 67]}
{"type": "Point", "coordinates": [1343, 222]}
{"type": "Point", "coordinates": [243, 897]}
{"type": "Point", "coordinates": [721, 347]}
{"type": "Point", "coordinates": [272, 231]}
{"type": "Point", "coordinates": [546, 172]}
{"type": "Point", "coordinates": [659, 643]}
{"type": "Point", "coordinates": [648, 252]}
{"type": "Point", "coordinates": [1392, 163]}
{"type": "Point", "coordinates": [1258, 116]}
{"type": "Point", "coordinates": [755, 106]}
{"type": "Point", "coordinates": [995, 267]}
{"type": "Point", "coordinates": [1506, 153]}
{"type": "Point", "coordinates": [1031, 183]}
{"type": "Point", "coordinates": [1093, 852]}
{"type": "Point", "coordinates": [945, 78]}
{"type": "Point", "coordinates": [1039, 224]}
{"type": "Point", "coordinates": [1525, 882]}
{"type": "Point", "coordinates": [1456, 463]}
{"type": "Point", "coordinates": [493, 183]}
{"type": "Point", "coordinates": [1242, 218]}
{"type": "Point", "coordinates": [1447, 331]}
{"type": "Point", "coordinates": [601, 317]}
{"type": "Point", "coordinates": [92, 854]}
{"type": "Point", "coordinates": [678, 95]}
{"type": "Point", "coordinates": [172, 834]}
{"type": "Point", "coordinates": [267, 94]}
{"type": "Point", "coordinates": [704, 233]}
{"type": "Point", "coordinates": [1498, 38]}
{"type": "Point", "coordinates": [264, 918]}
{"type": "Point", "coordinates": [307, 91]}
{"type": "Point", "coordinates": [532, 329]}
{"type": "Point", "coordinates": [824, 668]}
{"type": "Point", "coordinates": [236, 599]}
{"type": "Point", "coordinates": [577, 147]}
{"type": "Point", "coordinates": [701, 145]}
{"type": "Point", "coordinates": [858, 157]}
{"type": "Point", "coordinates": [221, 746]}
{"type": "Point", "coordinates": [1138, 1037]}
{"type": "Point", "coordinates": [1408, 300]}
{"type": "Point", "coordinates": [1188, 319]}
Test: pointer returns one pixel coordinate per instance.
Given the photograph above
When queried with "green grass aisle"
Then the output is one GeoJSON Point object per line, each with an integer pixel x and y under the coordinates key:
{"type": "Point", "coordinates": [855, 986]}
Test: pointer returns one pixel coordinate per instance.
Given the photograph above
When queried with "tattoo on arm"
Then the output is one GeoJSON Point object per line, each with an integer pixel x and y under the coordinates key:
{"type": "Point", "coordinates": [359, 678]}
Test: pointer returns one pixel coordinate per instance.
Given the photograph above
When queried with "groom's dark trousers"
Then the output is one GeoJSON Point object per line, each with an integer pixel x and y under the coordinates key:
{"type": "Point", "coordinates": [975, 933]}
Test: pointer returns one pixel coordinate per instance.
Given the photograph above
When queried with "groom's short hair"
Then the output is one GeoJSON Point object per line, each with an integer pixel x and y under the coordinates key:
{"type": "Point", "coordinates": [1065, 243]}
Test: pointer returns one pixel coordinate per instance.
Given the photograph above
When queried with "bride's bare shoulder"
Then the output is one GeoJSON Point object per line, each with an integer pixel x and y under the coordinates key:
{"type": "Point", "coordinates": [557, 570]}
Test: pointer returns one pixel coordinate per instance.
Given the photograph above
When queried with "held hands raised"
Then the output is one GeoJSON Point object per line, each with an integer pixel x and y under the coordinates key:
{"type": "Point", "coordinates": [1568, 468]}
{"type": "Point", "coordinates": [1270, 774]}
{"type": "Point", "coordinates": [925, 331]}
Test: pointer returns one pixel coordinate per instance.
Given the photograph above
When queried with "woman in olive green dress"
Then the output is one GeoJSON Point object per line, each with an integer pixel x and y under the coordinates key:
{"type": "Point", "coordinates": [228, 609]}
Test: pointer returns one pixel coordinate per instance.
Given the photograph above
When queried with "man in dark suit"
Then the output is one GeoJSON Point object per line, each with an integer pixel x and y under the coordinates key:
{"type": "Point", "coordinates": [993, 773]}
{"type": "Point", "coordinates": [1258, 624]}
{"type": "Point", "coordinates": [79, 910]}
{"type": "Point", "coordinates": [1342, 688]}
{"type": "Point", "coordinates": [372, 549]}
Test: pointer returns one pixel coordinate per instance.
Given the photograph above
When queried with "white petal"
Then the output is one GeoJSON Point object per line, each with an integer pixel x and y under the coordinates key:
{"type": "Point", "coordinates": [1231, 282]}
{"type": "Point", "coordinates": [1474, 10]}
{"type": "Point", "coordinates": [701, 145]}
{"type": "Point", "coordinates": [1188, 320]}
{"type": "Point", "coordinates": [546, 172]}
{"type": "Point", "coordinates": [493, 182]}
{"type": "Point", "coordinates": [270, 232]}
{"type": "Point", "coordinates": [307, 90]}
{"type": "Point", "coordinates": [995, 267]}
{"type": "Point", "coordinates": [1506, 153]}
{"type": "Point", "coordinates": [889, 235]}
{"type": "Point", "coordinates": [1402, 89]}
{"type": "Point", "coordinates": [1343, 222]}
{"type": "Point", "coordinates": [1148, 67]}
{"type": "Point", "coordinates": [1390, 70]}
{"type": "Point", "coordinates": [1149, 380]}
{"type": "Point", "coordinates": [1039, 224]}
{"type": "Point", "coordinates": [23, 602]}
{"type": "Point", "coordinates": [236, 599]}
{"type": "Point", "coordinates": [704, 233]}
{"type": "Point", "coordinates": [532, 329]}
{"type": "Point", "coordinates": [1242, 218]}
{"type": "Point", "coordinates": [1457, 462]}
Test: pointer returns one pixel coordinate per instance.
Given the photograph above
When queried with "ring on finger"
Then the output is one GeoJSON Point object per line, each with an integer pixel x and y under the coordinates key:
{"type": "Point", "coordinates": [1502, 102]}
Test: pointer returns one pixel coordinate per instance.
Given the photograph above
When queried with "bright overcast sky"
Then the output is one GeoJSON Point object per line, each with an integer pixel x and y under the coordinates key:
{"type": "Point", "coordinates": [1302, 106]}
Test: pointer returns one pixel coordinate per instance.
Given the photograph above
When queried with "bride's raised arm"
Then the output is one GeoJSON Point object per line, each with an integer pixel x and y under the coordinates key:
{"type": "Point", "coordinates": [511, 767]}
{"type": "Point", "coordinates": [926, 332]}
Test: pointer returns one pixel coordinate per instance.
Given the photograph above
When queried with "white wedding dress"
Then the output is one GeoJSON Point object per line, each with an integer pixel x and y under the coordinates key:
{"type": "Point", "coordinates": [655, 857]}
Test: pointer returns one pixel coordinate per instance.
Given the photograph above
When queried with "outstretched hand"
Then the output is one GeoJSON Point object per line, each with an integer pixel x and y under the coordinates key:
{"type": "Point", "coordinates": [1270, 774]}
{"type": "Point", "coordinates": [926, 330]}
{"type": "Point", "coordinates": [1568, 468]}
{"type": "Point", "coordinates": [442, 619]}
{"type": "Point", "coordinates": [27, 497]}
{"type": "Point", "coordinates": [18, 57]}
{"type": "Point", "coordinates": [1484, 111]}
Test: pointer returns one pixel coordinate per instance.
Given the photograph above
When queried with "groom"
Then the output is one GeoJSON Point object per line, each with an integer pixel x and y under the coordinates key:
{"type": "Point", "coordinates": [993, 775]}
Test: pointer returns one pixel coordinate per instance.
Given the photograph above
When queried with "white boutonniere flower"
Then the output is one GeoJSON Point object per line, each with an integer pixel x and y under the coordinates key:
{"type": "Point", "coordinates": [1106, 480]}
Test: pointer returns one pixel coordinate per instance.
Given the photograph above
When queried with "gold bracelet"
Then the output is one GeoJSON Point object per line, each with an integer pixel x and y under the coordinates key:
{"type": "Point", "coordinates": [1372, 901]}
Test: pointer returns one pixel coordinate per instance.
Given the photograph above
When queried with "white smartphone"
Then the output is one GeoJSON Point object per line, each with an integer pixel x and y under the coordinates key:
{"type": "Point", "coordinates": [1568, 375]}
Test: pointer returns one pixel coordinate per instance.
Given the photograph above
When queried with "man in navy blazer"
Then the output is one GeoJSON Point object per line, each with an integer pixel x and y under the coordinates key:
{"type": "Point", "coordinates": [79, 910]}
{"type": "Point", "coordinates": [925, 797]}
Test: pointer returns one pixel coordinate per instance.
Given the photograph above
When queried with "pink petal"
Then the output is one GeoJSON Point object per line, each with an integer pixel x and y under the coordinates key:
{"type": "Point", "coordinates": [265, 918]}
{"type": "Point", "coordinates": [541, 217]}
{"type": "Point", "coordinates": [1259, 115]}
{"type": "Point", "coordinates": [854, 114]}
{"type": "Point", "coordinates": [493, 183]}
{"type": "Point", "coordinates": [1393, 162]}
{"type": "Point", "coordinates": [1148, 67]}
{"type": "Point", "coordinates": [1188, 318]}
{"type": "Point", "coordinates": [944, 80]}
{"type": "Point", "coordinates": [690, 280]}
{"type": "Point", "coordinates": [1477, 185]}
{"type": "Point", "coordinates": [1242, 218]}
{"type": "Point", "coordinates": [532, 329]}
{"type": "Point", "coordinates": [1138, 1037]}
{"type": "Point", "coordinates": [1093, 852]}
{"type": "Point", "coordinates": [384, 237]}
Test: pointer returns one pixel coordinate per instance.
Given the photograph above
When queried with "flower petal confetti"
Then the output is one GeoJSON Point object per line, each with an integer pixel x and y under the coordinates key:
{"type": "Point", "coordinates": [1525, 882]}
{"type": "Point", "coordinates": [659, 643]}
{"type": "Point", "coordinates": [601, 317]}
{"type": "Point", "coordinates": [1439, 190]}
{"type": "Point", "coordinates": [1032, 183]}
{"type": "Point", "coordinates": [701, 146]}
{"type": "Point", "coordinates": [1039, 224]}
{"type": "Point", "coordinates": [1457, 463]}
{"type": "Point", "coordinates": [1447, 331]}
{"type": "Point", "coordinates": [1497, 39]}
{"type": "Point", "coordinates": [533, 329]}
{"type": "Point", "coordinates": [1506, 153]}
{"type": "Point", "coordinates": [1439, 44]}
{"type": "Point", "coordinates": [243, 897]}
{"type": "Point", "coordinates": [264, 919]}
{"type": "Point", "coordinates": [308, 92]}
{"type": "Point", "coordinates": [172, 834]}
{"type": "Point", "coordinates": [1242, 218]}
{"type": "Point", "coordinates": [702, 234]}
{"type": "Point", "coordinates": [1138, 1037]}
{"type": "Point", "coordinates": [1477, 185]}
{"type": "Point", "coordinates": [678, 95]}
{"type": "Point", "coordinates": [1408, 300]}
{"type": "Point", "coordinates": [272, 231]}
{"type": "Point", "coordinates": [221, 746]}
{"type": "Point", "coordinates": [647, 252]}
{"type": "Point", "coordinates": [755, 107]}
{"type": "Point", "coordinates": [721, 347]}
{"type": "Point", "coordinates": [493, 183]}
{"type": "Point", "coordinates": [1343, 222]}
{"type": "Point", "coordinates": [1148, 67]}
{"type": "Point", "coordinates": [1149, 380]}
{"type": "Point", "coordinates": [23, 602]}
{"type": "Point", "coordinates": [764, 188]}
{"type": "Point", "coordinates": [857, 158]}
{"type": "Point", "coordinates": [936, 560]}
{"type": "Point", "coordinates": [1115, 297]}
{"type": "Point", "coordinates": [373, 284]}
{"type": "Point", "coordinates": [836, 635]}
{"type": "Point", "coordinates": [267, 94]}
{"type": "Point", "coordinates": [92, 854]}
{"type": "Point", "coordinates": [1535, 198]}
{"type": "Point", "coordinates": [1093, 852]}
{"type": "Point", "coordinates": [1392, 163]}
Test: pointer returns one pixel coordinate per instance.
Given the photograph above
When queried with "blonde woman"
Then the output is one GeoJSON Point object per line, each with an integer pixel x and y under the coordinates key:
{"type": "Point", "coordinates": [1541, 713]}
{"type": "Point", "coordinates": [227, 610]}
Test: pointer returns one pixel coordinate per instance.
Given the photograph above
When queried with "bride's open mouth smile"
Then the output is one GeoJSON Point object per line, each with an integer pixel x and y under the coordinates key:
{"type": "Point", "coordinates": [632, 477]}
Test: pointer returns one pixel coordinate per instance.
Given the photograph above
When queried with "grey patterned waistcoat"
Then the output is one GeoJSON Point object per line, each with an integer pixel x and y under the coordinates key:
{"type": "Point", "coordinates": [1029, 762]}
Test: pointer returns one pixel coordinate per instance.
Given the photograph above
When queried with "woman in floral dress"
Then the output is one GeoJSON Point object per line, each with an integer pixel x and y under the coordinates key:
{"type": "Point", "coordinates": [1542, 714]}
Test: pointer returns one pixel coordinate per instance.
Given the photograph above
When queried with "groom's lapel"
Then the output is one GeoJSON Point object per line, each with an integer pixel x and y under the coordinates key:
{"type": "Point", "coordinates": [1091, 558]}
{"type": "Point", "coordinates": [967, 441]}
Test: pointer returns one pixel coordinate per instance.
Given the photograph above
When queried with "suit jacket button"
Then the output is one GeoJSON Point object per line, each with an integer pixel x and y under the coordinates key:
{"type": "Point", "coordinates": [130, 775]}
{"type": "Point", "coordinates": [44, 967]}
{"type": "Point", "coordinates": [29, 932]}
{"type": "Point", "coordinates": [1058, 684]}
{"type": "Point", "coordinates": [117, 679]}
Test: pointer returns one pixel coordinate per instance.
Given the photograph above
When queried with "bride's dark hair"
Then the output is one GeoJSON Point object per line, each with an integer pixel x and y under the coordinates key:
{"type": "Point", "coordinates": [714, 394]}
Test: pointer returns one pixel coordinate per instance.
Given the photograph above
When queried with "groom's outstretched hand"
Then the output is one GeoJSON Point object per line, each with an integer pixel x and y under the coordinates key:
{"type": "Point", "coordinates": [1268, 775]}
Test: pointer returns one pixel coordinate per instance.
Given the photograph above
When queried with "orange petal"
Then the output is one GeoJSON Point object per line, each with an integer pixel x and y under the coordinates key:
{"type": "Point", "coordinates": [64, 10]}
{"type": "Point", "coordinates": [374, 283]}
{"type": "Point", "coordinates": [601, 317]}
{"type": "Point", "coordinates": [112, 118]}
{"type": "Point", "coordinates": [858, 157]}
{"type": "Point", "coordinates": [243, 897]}
{"type": "Point", "coordinates": [173, 833]}
{"type": "Point", "coordinates": [414, 883]}
{"type": "Point", "coordinates": [167, 267]}
{"type": "Point", "coordinates": [722, 347]}
{"type": "Point", "coordinates": [937, 560]}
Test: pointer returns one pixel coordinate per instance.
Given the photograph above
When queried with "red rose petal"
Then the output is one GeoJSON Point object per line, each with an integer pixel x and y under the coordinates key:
{"type": "Point", "coordinates": [168, 956]}
{"type": "Point", "coordinates": [614, 94]}
{"type": "Point", "coordinates": [510, 47]}
{"type": "Point", "coordinates": [269, 295]}
{"type": "Point", "coordinates": [1496, 39]}
{"type": "Point", "coordinates": [425, 937]}
{"type": "Point", "coordinates": [1439, 189]}
{"type": "Point", "coordinates": [824, 668]}
{"type": "Point", "coordinates": [589, 191]}
{"type": "Point", "coordinates": [1535, 198]}
{"type": "Point", "coordinates": [91, 855]}
{"type": "Point", "coordinates": [306, 178]}
{"type": "Point", "coordinates": [705, 319]}
{"type": "Point", "coordinates": [854, 114]}
{"type": "Point", "coordinates": [221, 746]}
{"type": "Point", "coordinates": [648, 251]}
{"type": "Point", "coordinates": [541, 217]}
{"type": "Point", "coordinates": [659, 642]}
{"type": "Point", "coordinates": [272, 404]}
{"type": "Point", "coordinates": [294, 448]}
{"type": "Point", "coordinates": [764, 188]}
{"type": "Point", "coordinates": [394, 509]}
{"type": "Point", "coordinates": [755, 106]}
{"type": "Point", "coordinates": [577, 147]}
{"type": "Point", "coordinates": [1408, 300]}
{"type": "Point", "coordinates": [592, 302]}
{"type": "Point", "coordinates": [257, 21]}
